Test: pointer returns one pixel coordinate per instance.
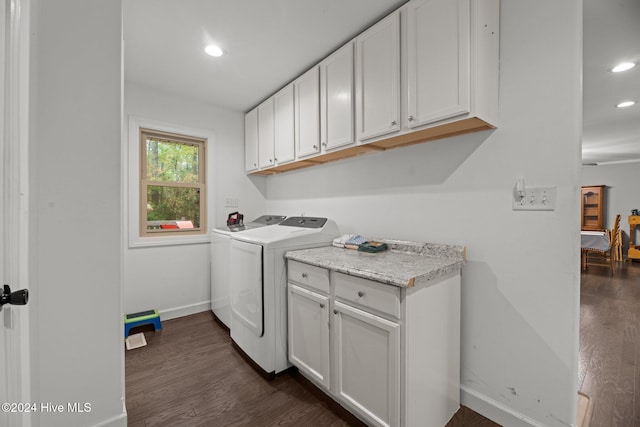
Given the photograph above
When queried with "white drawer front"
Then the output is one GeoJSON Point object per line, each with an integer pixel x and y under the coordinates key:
{"type": "Point", "coordinates": [366, 293]}
{"type": "Point", "coordinates": [309, 276]}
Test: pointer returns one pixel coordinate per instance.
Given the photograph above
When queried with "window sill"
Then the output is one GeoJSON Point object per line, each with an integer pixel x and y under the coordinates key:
{"type": "Point", "coordinates": [149, 242]}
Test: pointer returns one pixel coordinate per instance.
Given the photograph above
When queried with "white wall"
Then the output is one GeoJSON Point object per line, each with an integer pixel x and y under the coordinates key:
{"type": "Point", "coordinates": [74, 225]}
{"type": "Point", "coordinates": [176, 279]}
{"type": "Point", "coordinates": [621, 194]}
{"type": "Point", "coordinates": [520, 286]}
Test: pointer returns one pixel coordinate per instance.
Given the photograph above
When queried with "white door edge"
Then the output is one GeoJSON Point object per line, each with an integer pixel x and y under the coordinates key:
{"type": "Point", "coordinates": [14, 199]}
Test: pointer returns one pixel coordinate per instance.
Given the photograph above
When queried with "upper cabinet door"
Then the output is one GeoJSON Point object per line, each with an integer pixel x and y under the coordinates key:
{"type": "Point", "coordinates": [265, 134]}
{"type": "Point", "coordinates": [307, 113]}
{"type": "Point", "coordinates": [251, 140]}
{"type": "Point", "coordinates": [284, 126]}
{"type": "Point", "coordinates": [438, 47]}
{"type": "Point", "coordinates": [378, 79]}
{"type": "Point", "coordinates": [336, 98]}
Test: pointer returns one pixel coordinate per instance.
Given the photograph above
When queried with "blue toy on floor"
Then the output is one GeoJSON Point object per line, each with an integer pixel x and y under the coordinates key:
{"type": "Point", "coordinates": [142, 318]}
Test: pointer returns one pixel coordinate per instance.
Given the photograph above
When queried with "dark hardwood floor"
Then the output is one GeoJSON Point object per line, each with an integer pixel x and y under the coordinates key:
{"type": "Point", "coordinates": [190, 374]}
{"type": "Point", "coordinates": [609, 368]}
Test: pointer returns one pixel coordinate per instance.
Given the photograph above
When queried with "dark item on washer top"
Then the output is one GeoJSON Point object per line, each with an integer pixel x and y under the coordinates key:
{"type": "Point", "coordinates": [235, 219]}
{"type": "Point", "coordinates": [373, 247]}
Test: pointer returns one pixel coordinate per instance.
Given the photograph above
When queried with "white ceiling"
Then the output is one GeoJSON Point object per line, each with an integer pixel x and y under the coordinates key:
{"type": "Point", "coordinates": [611, 35]}
{"type": "Point", "coordinates": [268, 43]}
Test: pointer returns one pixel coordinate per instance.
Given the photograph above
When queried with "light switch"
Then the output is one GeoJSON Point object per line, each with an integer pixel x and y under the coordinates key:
{"type": "Point", "coordinates": [536, 199]}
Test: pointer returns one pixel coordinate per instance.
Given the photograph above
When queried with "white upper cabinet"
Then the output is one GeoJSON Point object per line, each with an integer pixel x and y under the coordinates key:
{"type": "Point", "coordinates": [307, 113]}
{"type": "Point", "coordinates": [284, 126]}
{"type": "Point", "coordinates": [337, 99]}
{"type": "Point", "coordinates": [251, 140]}
{"type": "Point", "coordinates": [438, 52]}
{"type": "Point", "coordinates": [378, 79]}
{"type": "Point", "coordinates": [265, 134]}
{"type": "Point", "coordinates": [427, 71]}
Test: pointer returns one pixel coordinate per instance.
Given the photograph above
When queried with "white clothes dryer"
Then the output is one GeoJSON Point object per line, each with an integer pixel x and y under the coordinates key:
{"type": "Point", "coordinates": [220, 247]}
{"type": "Point", "coordinates": [259, 285]}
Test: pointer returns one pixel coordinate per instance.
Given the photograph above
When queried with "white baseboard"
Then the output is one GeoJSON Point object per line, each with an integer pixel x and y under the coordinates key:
{"type": "Point", "coordinates": [185, 310]}
{"type": "Point", "coordinates": [119, 420]}
{"type": "Point", "coordinates": [494, 410]}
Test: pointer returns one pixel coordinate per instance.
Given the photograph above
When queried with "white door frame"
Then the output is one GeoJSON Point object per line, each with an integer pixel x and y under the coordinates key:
{"type": "Point", "coordinates": [14, 202]}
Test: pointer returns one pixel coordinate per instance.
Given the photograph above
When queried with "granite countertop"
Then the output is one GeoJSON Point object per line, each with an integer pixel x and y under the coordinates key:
{"type": "Point", "coordinates": [405, 264]}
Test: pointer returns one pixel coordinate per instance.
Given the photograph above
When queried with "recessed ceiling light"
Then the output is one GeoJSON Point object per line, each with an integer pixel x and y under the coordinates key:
{"type": "Point", "coordinates": [623, 66]}
{"type": "Point", "coordinates": [213, 50]}
{"type": "Point", "coordinates": [626, 104]}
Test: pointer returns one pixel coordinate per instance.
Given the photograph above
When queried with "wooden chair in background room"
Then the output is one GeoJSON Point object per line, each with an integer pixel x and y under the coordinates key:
{"type": "Point", "coordinates": [610, 252]}
{"type": "Point", "coordinates": [617, 250]}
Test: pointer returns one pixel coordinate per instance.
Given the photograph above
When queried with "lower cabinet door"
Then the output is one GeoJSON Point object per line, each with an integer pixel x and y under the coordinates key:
{"type": "Point", "coordinates": [367, 364]}
{"type": "Point", "coordinates": [309, 333]}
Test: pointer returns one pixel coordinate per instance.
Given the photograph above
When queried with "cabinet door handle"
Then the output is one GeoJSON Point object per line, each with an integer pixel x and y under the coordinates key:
{"type": "Point", "coordinates": [393, 123]}
{"type": "Point", "coordinates": [321, 305]}
{"type": "Point", "coordinates": [410, 118]}
{"type": "Point", "coordinates": [304, 275]}
{"type": "Point", "coordinates": [315, 147]}
{"type": "Point", "coordinates": [270, 160]}
{"type": "Point", "coordinates": [275, 159]}
{"type": "Point", "coordinates": [360, 294]}
{"type": "Point", "coordinates": [335, 311]}
{"type": "Point", "coordinates": [324, 144]}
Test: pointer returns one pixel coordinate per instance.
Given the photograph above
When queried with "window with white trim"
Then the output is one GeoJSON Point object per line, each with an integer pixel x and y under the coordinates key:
{"type": "Point", "coordinates": [172, 184]}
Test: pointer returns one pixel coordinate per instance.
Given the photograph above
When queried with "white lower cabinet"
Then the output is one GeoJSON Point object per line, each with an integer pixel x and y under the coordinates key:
{"type": "Point", "coordinates": [390, 355]}
{"type": "Point", "coordinates": [309, 333]}
{"type": "Point", "coordinates": [367, 364]}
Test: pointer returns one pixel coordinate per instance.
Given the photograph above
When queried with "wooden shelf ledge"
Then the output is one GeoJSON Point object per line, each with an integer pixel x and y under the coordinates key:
{"type": "Point", "coordinates": [447, 130]}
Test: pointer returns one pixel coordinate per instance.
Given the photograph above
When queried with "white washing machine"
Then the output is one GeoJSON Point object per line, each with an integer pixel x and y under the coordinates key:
{"type": "Point", "coordinates": [259, 285]}
{"type": "Point", "coordinates": [220, 247]}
